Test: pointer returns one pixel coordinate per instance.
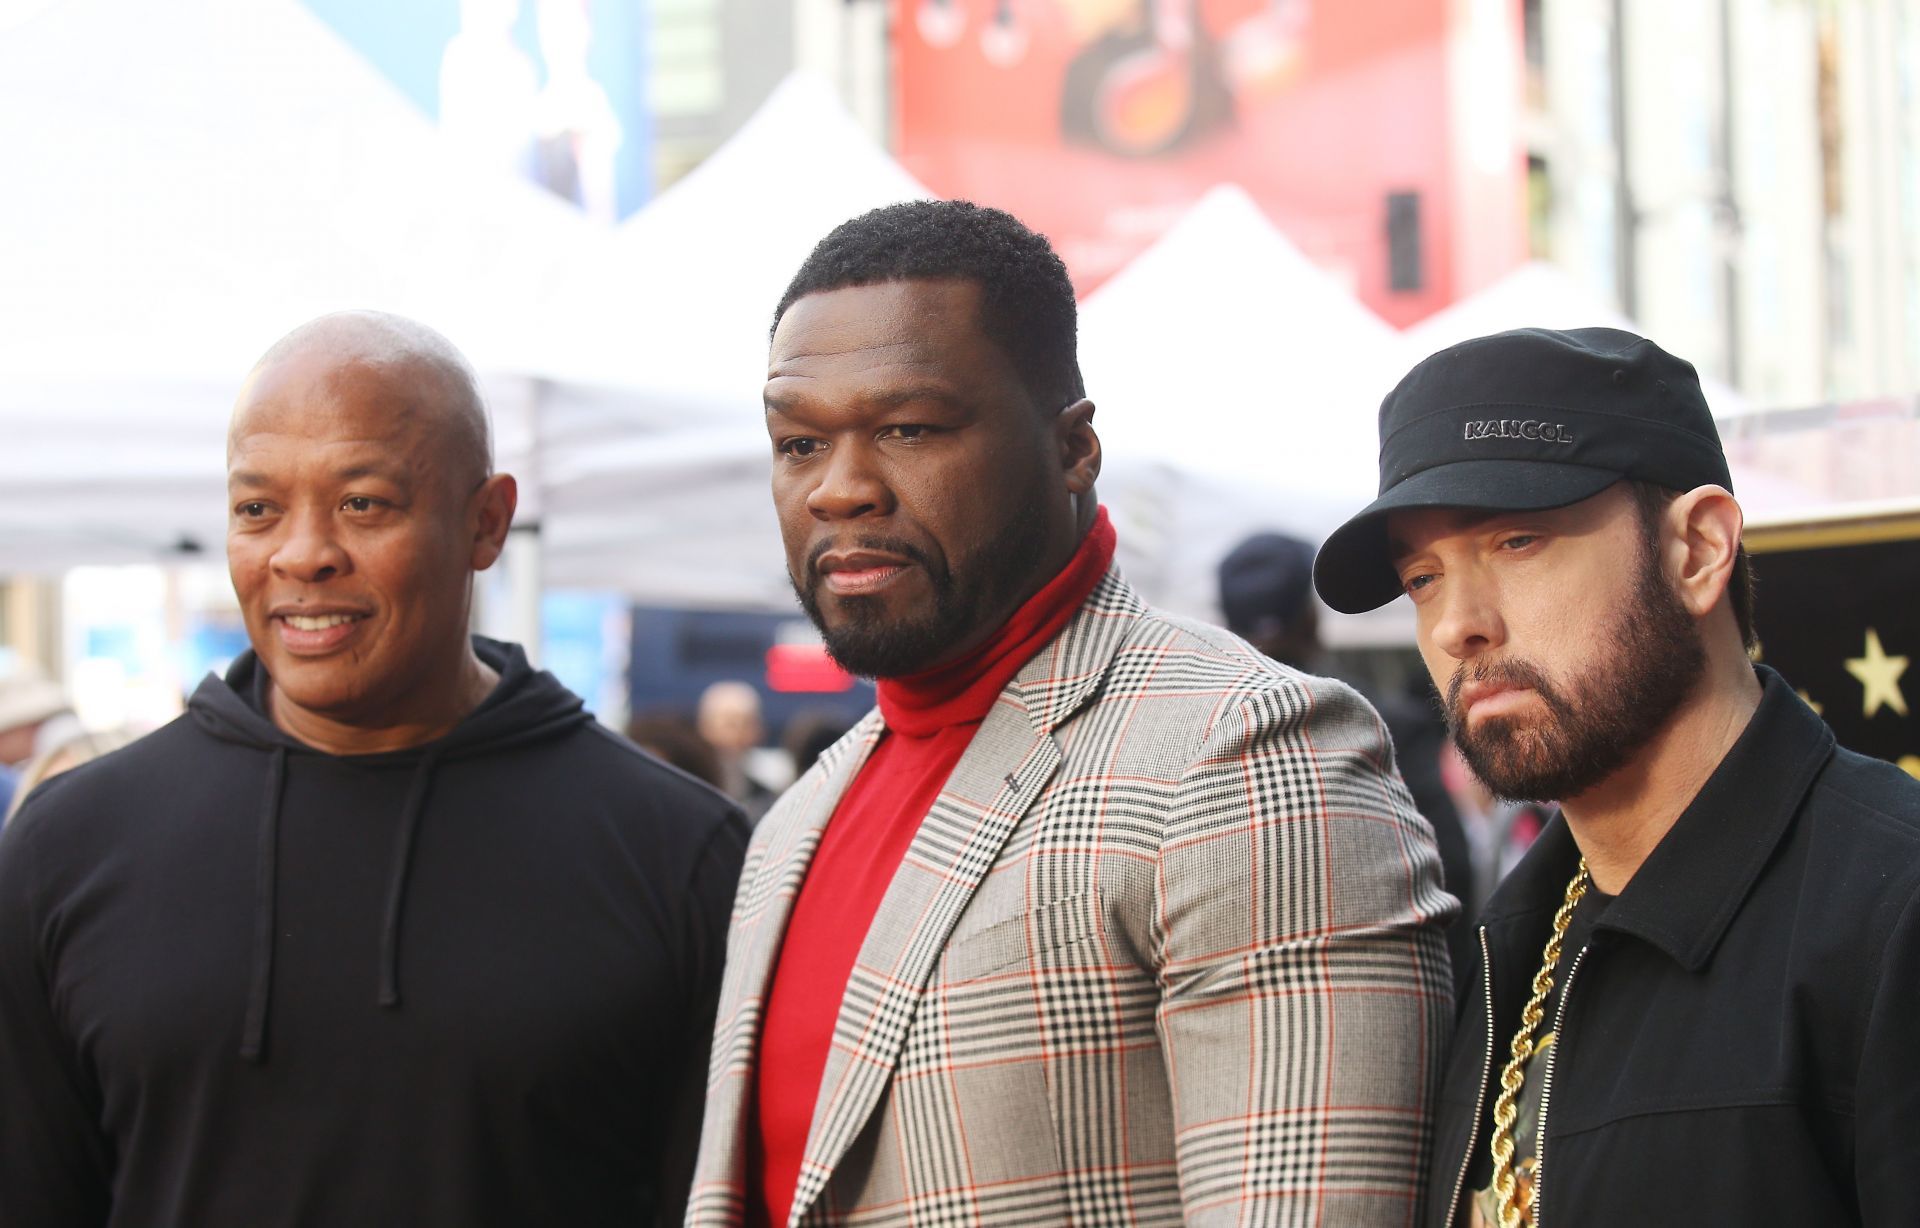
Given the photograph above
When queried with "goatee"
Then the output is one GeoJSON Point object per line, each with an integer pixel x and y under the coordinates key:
{"type": "Point", "coordinates": [1646, 661]}
{"type": "Point", "coordinates": [869, 643]}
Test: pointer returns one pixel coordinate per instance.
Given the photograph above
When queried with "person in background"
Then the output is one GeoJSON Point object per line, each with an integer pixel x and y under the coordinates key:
{"type": "Point", "coordinates": [386, 929]}
{"type": "Point", "coordinates": [728, 717]}
{"type": "Point", "coordinates": [34, 715]}
{"type": "Point", "coordinates": [1266, 598]}
{"type": "Point", "coordinates": [1697, 991]}
{"type": "Point", "coordinates": [810, 733]}
{"type": "Point", "coordinates": [672, 738]}
{"type": "Point", "coordinates": [64, 756]}
{"type": "Point", "coordinates": [1101, 917]}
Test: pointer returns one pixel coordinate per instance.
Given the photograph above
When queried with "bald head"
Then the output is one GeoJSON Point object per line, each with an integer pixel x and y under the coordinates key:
{"type": "Point", "coordinates": [428, 384]}
{"type": "Point", "coordinates": [729, 717]}
{"type": "Point", "coordinates": [359, 508]}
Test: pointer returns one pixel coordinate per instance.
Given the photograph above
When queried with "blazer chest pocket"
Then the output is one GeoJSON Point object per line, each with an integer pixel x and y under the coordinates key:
{"type": "Point", "coordinates": [1034, 938]}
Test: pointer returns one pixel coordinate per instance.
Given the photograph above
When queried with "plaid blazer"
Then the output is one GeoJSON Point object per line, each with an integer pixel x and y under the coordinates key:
{"type": "Point", "coordinates": [1167, 946]}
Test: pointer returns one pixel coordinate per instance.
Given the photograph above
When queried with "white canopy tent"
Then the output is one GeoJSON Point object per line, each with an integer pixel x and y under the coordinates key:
{"type": "Point", "coordinates": [1537, 295]}
{"type": "Point", "coordinates": [658, 485]}
{"type": "Point", "coordinates": [275, 175]}
{"type": "Point", "coordinates": [1237, 385]}
{"type": "Point", "coordinates": [677, 308]}
{"type": "Point", "coordinates": [189, 181]}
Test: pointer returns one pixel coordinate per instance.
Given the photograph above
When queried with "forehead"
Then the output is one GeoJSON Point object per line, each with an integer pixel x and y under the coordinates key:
{"type": "Point", "coordinates": [1429, 528]}
{"type": "Point", "coordinates": [322, 400]}
{"type": "Point", "coordinates": [1423, 527]}
{"type": "Point", "coordinates": [923, 326]}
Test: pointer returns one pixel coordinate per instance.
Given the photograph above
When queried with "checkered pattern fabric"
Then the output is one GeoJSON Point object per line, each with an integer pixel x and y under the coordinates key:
{"type": "Point", "coordinates": [1166, 949]}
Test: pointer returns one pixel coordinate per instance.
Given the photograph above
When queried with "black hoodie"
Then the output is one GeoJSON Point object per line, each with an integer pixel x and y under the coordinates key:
{"type": "Point", "coordinates": [245, 983]}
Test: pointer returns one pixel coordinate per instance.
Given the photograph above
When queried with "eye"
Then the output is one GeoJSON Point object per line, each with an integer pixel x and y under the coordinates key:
{"type": "Point", "coordinates": [907, 432]}
{"type": "Point", "coordinates": [253, 509]}
{"type": "Point", "coordinates": [1519, 541]}
{"type": "Point", "coordinates": [360, 503]}
{"type": "Point", "coordinates": [798, 448]}
{"type": "Point", "coordinates": [1414, 583]}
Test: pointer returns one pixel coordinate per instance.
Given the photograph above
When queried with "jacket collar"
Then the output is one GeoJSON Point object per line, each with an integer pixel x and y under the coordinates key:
{"type": "Point", "coordinates": [1065, 673]}
{"type": "Point", "coordinates": [1685, 895]}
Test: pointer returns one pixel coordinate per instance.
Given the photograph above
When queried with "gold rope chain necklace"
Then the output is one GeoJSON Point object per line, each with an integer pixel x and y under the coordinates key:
{"type": "Point", "coordinates": [1506, 1108]}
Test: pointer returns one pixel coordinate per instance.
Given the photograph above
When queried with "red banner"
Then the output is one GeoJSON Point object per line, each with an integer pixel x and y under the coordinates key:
{"type": "Point", "coordinates": [1099, 121]}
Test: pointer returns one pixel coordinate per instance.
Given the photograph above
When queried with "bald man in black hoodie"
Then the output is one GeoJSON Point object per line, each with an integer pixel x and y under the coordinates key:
{"type": "Point", "coordinates": [386, 930]}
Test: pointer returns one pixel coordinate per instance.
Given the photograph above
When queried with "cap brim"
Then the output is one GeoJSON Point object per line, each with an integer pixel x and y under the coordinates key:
{"type": "Point", "coordinates": [1353, 572]}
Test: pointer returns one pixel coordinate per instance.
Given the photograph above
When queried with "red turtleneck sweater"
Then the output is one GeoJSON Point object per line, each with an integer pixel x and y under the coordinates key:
{"type": "Point", "coordinates": [930, 718]}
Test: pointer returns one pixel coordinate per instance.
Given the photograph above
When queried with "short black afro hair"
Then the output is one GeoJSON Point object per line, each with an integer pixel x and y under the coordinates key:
{"type": "Point", "coordinates": [1026, 302]}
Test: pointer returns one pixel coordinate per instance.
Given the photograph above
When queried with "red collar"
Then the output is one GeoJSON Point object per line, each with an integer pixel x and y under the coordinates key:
{"type": "Point", "coordinates": [921, 704]}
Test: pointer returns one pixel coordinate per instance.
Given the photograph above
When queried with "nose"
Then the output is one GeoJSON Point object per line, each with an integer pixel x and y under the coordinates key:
{"type": "Point", "coordinates": [311, 551]}
{"type": "Point", "coordinates": [1466, 615]}
{"type": "Point", "coordinates": [850, 486]}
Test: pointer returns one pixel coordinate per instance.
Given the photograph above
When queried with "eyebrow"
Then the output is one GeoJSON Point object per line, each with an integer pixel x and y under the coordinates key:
{"type": "Point", "coordinates": [1398, 549]}
{"type": "Point", "coordinates": [352, 473]}
{"type": "Point", "coordinates": [370, 469]}
{"type": "Point", "coordinates": [892, 399]}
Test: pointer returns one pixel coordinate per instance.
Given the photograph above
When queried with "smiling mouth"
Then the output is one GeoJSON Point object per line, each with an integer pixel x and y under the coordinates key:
{"type": "Point", "coordinates": [317, 634]}
{"type": "Point", "coordinates": [306, 622]}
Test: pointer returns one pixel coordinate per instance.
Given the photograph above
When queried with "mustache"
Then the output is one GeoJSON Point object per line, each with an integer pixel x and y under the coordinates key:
{"type": "Point", "coordinates": [1510, 672]}
{"type": "Point", "coordinates": [879, 545]}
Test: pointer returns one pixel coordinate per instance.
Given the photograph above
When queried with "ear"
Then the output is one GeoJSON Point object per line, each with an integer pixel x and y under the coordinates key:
{"type": "Point", "coordinates": [491, 515]}
{"type": "Point", "coordinates": [1077, 445]}
{"type": "Point", "coordinates": [1702, 537]}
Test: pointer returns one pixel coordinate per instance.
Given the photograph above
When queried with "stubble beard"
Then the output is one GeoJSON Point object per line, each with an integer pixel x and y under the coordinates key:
{"type": "Point", "coordinates": [1648, 660]}
{"type": "Point", "coordinates": [867, 641]}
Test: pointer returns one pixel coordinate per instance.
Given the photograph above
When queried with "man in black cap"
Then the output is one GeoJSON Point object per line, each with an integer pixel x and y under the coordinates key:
{"type": "Point", "coordinates": [1266, 598]}
{"type": "Point", "coordinates": [1709, 964]}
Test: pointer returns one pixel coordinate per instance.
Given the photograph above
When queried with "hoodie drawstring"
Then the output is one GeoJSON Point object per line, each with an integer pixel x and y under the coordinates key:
{"type": "Point", "coordinates": [253, 1032]}
{"type": "Point", "coordinates": [266, 871]}
{"type": "Point", "coordinates": [397, 885]}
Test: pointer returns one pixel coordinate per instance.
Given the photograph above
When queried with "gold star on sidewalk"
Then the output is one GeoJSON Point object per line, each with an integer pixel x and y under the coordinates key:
{"type": "Point", "coordinates": [1879, 675]}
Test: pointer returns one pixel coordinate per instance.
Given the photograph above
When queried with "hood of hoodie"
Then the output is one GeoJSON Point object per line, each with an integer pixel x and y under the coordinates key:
{"type": "Point", "coordinates": [526, 705]}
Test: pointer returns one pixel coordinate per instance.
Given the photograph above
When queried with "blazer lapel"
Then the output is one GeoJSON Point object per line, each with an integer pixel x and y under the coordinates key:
{"type": "Point", "coordinates": [996, 782]}
{"type": "Point", "coordinates": [777, 863]}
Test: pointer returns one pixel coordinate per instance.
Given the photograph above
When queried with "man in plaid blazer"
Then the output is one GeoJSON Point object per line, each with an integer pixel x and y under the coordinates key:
{"type": "Point", "coordinates": [1137, 926]}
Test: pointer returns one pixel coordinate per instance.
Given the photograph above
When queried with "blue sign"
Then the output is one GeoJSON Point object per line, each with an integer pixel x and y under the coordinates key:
{"type": "Point", "coordinates": [552, 89]}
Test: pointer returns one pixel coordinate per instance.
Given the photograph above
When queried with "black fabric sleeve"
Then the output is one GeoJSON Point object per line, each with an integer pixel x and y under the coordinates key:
{"type": "Point", "coordinates": [709, 902]}
{"type": "Point", "coordinates": [1887, 1120]}
{"type": "Point", "coordinates": [54, 1170]}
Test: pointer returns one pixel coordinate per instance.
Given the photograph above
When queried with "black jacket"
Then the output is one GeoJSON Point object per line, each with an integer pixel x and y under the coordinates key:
{"type": "Point", "coordinates": [244, 984]}
{"type": "Point", "coordinates": [1741, 1038]}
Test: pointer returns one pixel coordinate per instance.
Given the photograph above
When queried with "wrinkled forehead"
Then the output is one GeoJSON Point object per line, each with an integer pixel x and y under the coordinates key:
{"type": "Point", "coordinates": [312, 399]}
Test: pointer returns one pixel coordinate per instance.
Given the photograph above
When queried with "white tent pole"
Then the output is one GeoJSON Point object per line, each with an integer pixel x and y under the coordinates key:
{"type": "Point", "coordinates": [526, 579]}
{"type": "Point", "coordinates": [523, 564]}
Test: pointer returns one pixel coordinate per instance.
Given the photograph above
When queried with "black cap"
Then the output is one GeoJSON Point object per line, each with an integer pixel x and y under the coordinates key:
{"type": "Point", "coordinates": [1521, 421]}
{"type": "Point", "coordinates": [1265, 583]}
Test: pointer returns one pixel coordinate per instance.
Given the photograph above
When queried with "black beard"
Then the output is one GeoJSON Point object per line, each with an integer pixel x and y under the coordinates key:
{"type": "Point", "coordinates": [1647, 661]}
{"type": "Point", "coordinates": [982, 585]}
